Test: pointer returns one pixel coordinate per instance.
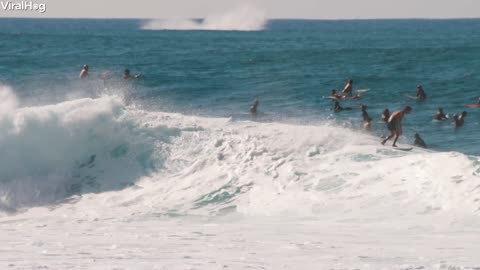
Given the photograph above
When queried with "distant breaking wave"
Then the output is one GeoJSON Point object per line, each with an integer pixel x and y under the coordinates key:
{"type": "Point", "coordinates": [241, 19]}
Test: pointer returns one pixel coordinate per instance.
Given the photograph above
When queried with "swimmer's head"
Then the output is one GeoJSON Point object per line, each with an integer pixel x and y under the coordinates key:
{"type": "Point", "coordinates": [85, 67]}
{"type": "Point", "coordinates": [334, 91]}
{"type": "Point", "coordinates": [440, 109]}
{"type": "Point", "coordinates": [363, 107]}
{"type": "Point", "coordinates": [407, 109]}
{"type": "Point", "coordinates": [350, 81]}
{"type": "Point", "coordinates": [126, 71]}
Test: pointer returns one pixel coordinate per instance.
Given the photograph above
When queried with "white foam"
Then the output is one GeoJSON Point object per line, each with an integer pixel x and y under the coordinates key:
{"type": "Point", "coordinates": [245, 18]}
{"type": "Point", "coordinates": [207, 166]}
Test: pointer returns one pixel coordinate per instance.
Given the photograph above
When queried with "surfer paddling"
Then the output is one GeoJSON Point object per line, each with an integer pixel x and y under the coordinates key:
{"type": "Point", "coordinates": [127, 75]}
{"type": "Point", "coordinates": [394, 125]}
{"type": "Point", "coordinates": [338, 108]}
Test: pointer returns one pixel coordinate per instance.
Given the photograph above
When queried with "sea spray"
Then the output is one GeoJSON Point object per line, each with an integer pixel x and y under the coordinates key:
{"type": "Point", "coordinates": [8, 101]}
{"type": "Point", "coordinates": [245, 18]}
{"type": "Point", "coordinates": [80, 146]}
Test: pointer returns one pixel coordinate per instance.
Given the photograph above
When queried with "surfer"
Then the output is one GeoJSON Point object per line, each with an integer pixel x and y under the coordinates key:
{"type": "Point", "coordinates": [367, 120]}
{"type": "Point", "coordinates": [348, 89]}
{"type": "Point", "coordinates": [440, 116]}
{"type": "Point", "coordinates": [254, 107]}
{"type": "Point", "coordinates": [83, 72]}
{"type": "Point", "coordinates": [459, 120]}
{"type": "Point", "coordinates": [385, 115]}
{"type": "Point", "coordinates": [127, 75]}
{"type": "Point", "coordinates": [334, 94]}
{"type": "Point", "coordinates": [394, 124]}
{"type": "Point", "coordinates": [420, 93]}
{"type": "Point", "coordinates": [419, 141]}
{"type": "Point", "coordinates": [338, 108]}
{"type": "Point", "coordinates": [478, 102]}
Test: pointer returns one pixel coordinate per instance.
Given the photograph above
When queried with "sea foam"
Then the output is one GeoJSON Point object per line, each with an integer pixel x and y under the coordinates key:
{"type": "Point", "coordinates": [143, 161]}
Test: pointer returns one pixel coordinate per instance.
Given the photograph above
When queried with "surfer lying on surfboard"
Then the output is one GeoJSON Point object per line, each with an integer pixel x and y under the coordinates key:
{"type": "Point", "coordinates": [474, 105]}
{"type": "Point", "coordinates": [334, 95]}
{"type": "Point", "coordinates": [394, 124]}
{"type": "Point", "coordinates": [127, 75]}
{"type": "Point", "coordinates": [338, 108]}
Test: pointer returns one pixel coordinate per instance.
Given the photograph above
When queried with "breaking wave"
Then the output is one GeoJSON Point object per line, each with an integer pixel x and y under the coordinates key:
{"type": "Point", "coordinates": [160, 162]}
{"type": "Point", "coordinates": [241, 19]}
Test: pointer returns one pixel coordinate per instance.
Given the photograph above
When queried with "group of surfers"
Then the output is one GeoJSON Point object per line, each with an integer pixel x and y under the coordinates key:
{"type": "Point", "coordinates": [393, 121]}
{"type": "Point", "coordinates": [126, 74]}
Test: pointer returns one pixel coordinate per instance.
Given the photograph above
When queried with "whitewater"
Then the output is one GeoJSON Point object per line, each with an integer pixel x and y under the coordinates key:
{"type": "Point", "coordinates": [98, 183]}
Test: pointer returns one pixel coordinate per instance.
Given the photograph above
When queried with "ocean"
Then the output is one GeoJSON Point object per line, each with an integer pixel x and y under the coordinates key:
{"type": "Point", "coordinates": [103, 172]}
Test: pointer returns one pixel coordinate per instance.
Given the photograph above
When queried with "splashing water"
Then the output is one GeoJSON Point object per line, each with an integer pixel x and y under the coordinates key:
{"type": "Point", "coordinates": [245, 18]}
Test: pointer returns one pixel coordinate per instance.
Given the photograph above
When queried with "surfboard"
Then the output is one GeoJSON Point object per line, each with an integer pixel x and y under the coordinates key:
{"type": "Point", "coordinates": [105, 74]}
{"type": "Point", "coordinates": [362, 90]}
{"type": "Point", "coordinates": [403, 148]}
{"type": "Point", "coordinates": [473, 105]}
{"type": "Point", "coordinates": [411, 97]}
{"type": "Point", "coordinates": [329, 97]}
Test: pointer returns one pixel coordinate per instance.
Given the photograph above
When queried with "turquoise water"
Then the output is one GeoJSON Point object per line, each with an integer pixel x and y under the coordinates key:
{"type": "Point", "coordinates": [290, 65]}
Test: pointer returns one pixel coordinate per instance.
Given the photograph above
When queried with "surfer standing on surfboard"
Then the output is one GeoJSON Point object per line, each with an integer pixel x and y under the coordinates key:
{"type": "Point", "coordinates": [394, 125]}
{"type": "Point", "coordinates": [420, 93]}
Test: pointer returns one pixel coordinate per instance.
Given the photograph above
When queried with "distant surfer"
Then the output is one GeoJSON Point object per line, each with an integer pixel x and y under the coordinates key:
{"type": "Point", "coordinates": [385, 115]}
{"type": "Point", "coordinates": [83, 72]}
{"type": "Point", "coordinates": [394, 124]}
{"type": "Point", "coordinates": [127, 75]}
{"type": "Point", "coordinates": [459, 120]}
{"type": "Point", "coordinates": [440, 116]}
{"type": "Point", "coordinates": [367, 120]}
{"type": "Point", "coordinates": [348, 89]}
{"type": "Point", "coordinates": [421, 95]}
{"type": "Point", "coordinates": [419, 141]}
{"type": "Point", "coordinates": [254, 107]}
{"type": "Point", "coordinates": [478, 102]}
{"type": "Point", "coordinates": [338, 108]}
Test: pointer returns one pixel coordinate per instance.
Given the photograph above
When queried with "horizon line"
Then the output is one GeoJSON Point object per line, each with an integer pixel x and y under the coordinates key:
{"type": "Point", "coordinates": [273, 18]}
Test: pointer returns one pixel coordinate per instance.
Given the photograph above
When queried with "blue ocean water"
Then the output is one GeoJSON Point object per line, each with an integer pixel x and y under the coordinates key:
{"type": "Point", "coordinates": [289, 65]}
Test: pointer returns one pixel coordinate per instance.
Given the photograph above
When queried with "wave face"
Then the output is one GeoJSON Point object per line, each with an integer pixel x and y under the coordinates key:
{"type": "Point", "coordinates": [50, 153]}
{"type": "Point", "coordinates": [245, 18]}
{"type": "Point", "coordinates": [127, 158]}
